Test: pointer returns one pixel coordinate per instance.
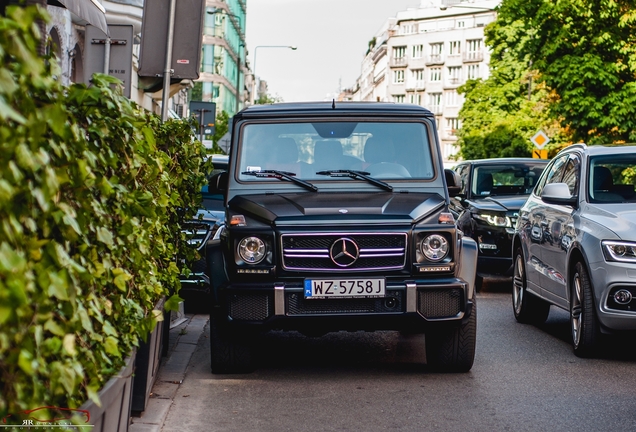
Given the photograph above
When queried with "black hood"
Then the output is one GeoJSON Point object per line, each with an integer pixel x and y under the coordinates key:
{"type": "Point", "coordinates": [500, 203]}
{"type": "Point", "coordinates": [271, 208]}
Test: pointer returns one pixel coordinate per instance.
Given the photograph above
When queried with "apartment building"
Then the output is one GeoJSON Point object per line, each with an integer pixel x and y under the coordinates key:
{"type": "Point", "coordinates": [223, 66]}
{"type": "Point", "coordinates": [424, 54]}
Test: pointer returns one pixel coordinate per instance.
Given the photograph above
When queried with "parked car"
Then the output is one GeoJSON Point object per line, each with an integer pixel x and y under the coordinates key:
{"type": "Point", "coordinates": [575, 244]}
{"type": "Point", "coordinates": [487, 207]}
{"type": "Point", "coordinates": [202, 230]}
{"type": "Point", "coordinates": [337, 219]}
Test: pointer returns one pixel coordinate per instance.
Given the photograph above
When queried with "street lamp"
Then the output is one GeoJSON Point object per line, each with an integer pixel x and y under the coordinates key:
{"type": "Point", "coordinates": [291, 47]}
{"type": "Point", "coordinates": [213, 11]}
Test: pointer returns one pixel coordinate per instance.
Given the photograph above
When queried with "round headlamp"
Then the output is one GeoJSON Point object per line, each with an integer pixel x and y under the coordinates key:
{"type": "Point", "coordinates": [434, 247]}
{"type": "Point", "coordinates": [252, 250]}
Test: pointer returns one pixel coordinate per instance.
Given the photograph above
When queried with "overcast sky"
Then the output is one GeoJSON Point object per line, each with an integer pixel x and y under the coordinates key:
{"type": "Point", "coordinates": [331, 35]}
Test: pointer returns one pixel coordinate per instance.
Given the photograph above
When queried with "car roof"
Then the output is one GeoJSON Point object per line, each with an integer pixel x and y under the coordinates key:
{"type": "Point", "coordinates": [503, 161]}
{"type": "Point", "coordinates": [594, 150]}
{"type": "Point", "coordinates": [333, 108]}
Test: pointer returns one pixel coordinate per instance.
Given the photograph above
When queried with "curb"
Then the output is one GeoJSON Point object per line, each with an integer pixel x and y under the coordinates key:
{"type": "Point", "coordinates": [183, 341]}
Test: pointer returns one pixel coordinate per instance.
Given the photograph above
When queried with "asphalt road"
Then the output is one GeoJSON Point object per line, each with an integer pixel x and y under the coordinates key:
{"type": "Point", "coordinates": [524, 379]}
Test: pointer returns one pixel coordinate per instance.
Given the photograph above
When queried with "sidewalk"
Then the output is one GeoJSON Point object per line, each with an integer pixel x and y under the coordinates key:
{"type": "Point", "coordinates": [184, 339]}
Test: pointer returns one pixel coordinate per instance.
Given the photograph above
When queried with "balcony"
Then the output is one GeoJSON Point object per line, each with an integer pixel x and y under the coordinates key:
{"type": "Point", "coordinates": [398, 61]}
{"type": "Point", "coordinates": [473, 56]}
{"type": "Point", "coordinates": [434, 59]}
{"type": "Point", "coordinates": [453, 82]}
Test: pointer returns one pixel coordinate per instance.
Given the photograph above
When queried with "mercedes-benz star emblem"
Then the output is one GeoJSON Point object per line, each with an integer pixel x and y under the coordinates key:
{"type": "Point", "coordinates": [344, 252]}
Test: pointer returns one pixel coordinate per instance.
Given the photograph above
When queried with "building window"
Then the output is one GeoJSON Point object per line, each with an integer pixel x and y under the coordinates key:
{"type": "Point", "coordinates": [452, 124]}
{"type": "Point", "coordinates": [461, 24]}
{"type": "Point", "coordinates": [435, 102]}
{"type": "Point", "coordinates": [398, 76]}
{"type": "Point", "coordinates": [406, 29]}
{"type": "Point", "coordinates": [454, 75]}
{"type": "Point", "coordinates": [399, 52]}
{"type": "Point", "coordinates": [435, 74]}
{"type": "Point", "coordinates": [473, 49]}
{"type": "Point", "coordinates": [435, 52]}
{"type": "Point", "coordinates": [207, 61]}
{"type": "Point", "coordinates": [398, 98]}
{"type": "Point", "coordinates": [415, 98]}
{"type": "Point", "coordinates": [452, 98]}
{"type": "Point", "coordinates": [418, 51]}
{"type": "Point", "coordinates": [454, 47]}
{"type": "Point", "coordinates": [418, 77]}
{"type": "Point", "coordinates": [473, 72]}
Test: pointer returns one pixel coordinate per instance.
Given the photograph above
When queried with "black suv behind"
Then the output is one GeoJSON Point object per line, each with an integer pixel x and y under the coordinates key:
{"type": "Point", "coordinates": [337, 218]}
{"type": "Point", "coordinates": [487, 207]}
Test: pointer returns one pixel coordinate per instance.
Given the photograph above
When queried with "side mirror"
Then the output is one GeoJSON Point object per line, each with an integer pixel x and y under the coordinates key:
{"type": "Point", "coordinates": [558, 193]}
{"type": "Point", "coordinates": [218, 183]}
{"type": "Point", "coordinates": [453, 182]}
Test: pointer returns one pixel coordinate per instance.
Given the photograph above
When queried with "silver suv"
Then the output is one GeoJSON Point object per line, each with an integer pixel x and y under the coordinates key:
{"type": "Point", "coordinates": [575, 244]}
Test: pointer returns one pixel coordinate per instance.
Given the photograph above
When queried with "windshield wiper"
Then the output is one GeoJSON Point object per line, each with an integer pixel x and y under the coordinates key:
{"type": "Point", "coordinates": [357, 175]}
{"type": "Point", "coordinates": [282, 175]}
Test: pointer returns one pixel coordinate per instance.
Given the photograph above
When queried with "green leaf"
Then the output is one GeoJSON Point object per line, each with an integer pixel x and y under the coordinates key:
{"type": "Point", "coordinates": [69, 344]}
{"type": "Point", "coordinates": [26, 362]}
{"type": "Point", "coordinates": [111, 346]}
{"type": "Point", "coordinates": [105, 236]}
{"type": "Point", "coordinates": [172, 304]}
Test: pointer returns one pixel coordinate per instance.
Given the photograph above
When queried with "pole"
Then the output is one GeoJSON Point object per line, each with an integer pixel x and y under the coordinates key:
{"type": "Point", "coordinates": [167, 72]}
{"type": "Point", "coordinates": [107, 55]}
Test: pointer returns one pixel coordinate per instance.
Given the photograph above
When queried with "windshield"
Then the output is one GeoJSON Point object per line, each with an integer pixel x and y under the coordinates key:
{"type": "Point", "coordinates": [384, 150]}
{"type": "Point", "coordinates": [506, 179]}
{"type": "Point", "coordinates": [612, 178]}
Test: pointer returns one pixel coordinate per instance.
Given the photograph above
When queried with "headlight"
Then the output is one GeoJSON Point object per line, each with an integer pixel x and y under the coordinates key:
{"type": "Point", "coordinates": [434, 247]}
{"type": "Point", "coordinates": [619, 251]}
{"type": "Point", "coordinates": [494, 220]}
{"type": "Point", "coordinates": [252, 250]}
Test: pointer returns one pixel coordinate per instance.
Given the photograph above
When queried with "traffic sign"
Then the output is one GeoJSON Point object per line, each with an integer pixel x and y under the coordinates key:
{"type": "Point", "coordinates": [540, 139]}
{"type": "Point", "coordinates": [539, 154]}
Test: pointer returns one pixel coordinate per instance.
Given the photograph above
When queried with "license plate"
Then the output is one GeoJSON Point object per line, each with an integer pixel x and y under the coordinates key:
{"type": "Point", "coordinates": [344, 288]}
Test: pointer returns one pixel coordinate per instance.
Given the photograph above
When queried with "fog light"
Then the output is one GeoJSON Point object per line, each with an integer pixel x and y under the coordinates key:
{"type": "Point", "coordinates": [622, 296]}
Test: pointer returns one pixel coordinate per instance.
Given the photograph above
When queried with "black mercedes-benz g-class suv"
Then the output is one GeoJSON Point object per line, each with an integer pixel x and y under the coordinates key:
{"type": "Point", "coordinates": [337, 218]}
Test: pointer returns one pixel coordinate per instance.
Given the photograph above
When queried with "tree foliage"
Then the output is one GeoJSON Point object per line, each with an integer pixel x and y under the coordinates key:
{"type": "Point", "coordinates": [585, 51]}
{"type": "Point", "coordinates": [502, 112]}
{"type": "Point", "coordinates": [93, 191]}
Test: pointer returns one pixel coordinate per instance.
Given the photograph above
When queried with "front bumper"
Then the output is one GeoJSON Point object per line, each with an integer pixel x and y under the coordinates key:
{"type": "Point", "coordinates": [607, 278]}
{"type": "Point", "coordinates": [408, 306]}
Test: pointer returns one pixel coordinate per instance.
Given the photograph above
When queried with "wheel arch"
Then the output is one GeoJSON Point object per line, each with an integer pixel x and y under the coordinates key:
{"type": "Point", "coordinates": [576, 255]}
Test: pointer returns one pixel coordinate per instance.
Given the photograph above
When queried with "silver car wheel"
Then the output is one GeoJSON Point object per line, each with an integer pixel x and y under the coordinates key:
{"type": "Point", "coordinates": [517, 285]}
{"type": "Point", "coordinates": [576, 315]}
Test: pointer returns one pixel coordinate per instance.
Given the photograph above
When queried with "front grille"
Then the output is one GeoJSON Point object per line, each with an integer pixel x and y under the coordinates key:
{"type": "Point", "coordinates": [298, 305]}
{"type": "Point", "coordinates": [250, 306]}
{"type": "Point", "coordinates": [197, 233]}
{"type": "Point", "coordinates": [440, 303]}
{"type": "Point", "coordinates": [311, 252]}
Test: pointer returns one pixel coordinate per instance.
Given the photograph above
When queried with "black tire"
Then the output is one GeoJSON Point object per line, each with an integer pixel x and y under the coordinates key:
{"type": "Point", "coordinates": [528, 308]}
{"type": "Point", "coordinates": [230, 351]}
{"type": "Point", "coordinates": [453, 350]}
{"type": "Point", "coordinates": [586, 333]}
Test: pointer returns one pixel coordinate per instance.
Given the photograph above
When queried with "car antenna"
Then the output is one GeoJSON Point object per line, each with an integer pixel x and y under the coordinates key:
{"type": "Point", "coordinates": [333, 104]}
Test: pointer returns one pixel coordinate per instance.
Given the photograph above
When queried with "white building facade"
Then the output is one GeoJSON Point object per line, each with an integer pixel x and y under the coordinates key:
{"type": "Point", "coordinates": [423, 55]}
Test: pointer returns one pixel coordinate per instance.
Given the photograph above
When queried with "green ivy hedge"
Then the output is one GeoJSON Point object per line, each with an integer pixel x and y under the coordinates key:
{"type": "Point", "coordinates": [93, 191]}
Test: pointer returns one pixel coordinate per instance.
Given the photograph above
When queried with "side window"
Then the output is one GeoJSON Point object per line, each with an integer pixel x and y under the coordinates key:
{"type": "Point", "coordinates": [463, 171]}
{"type": "Point", "coordinates": [552, 174]}
{"type": "Point", "coordinates": [571, 174]}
